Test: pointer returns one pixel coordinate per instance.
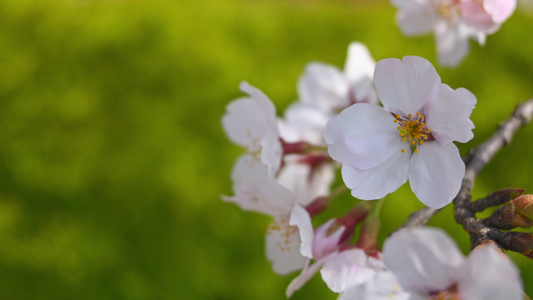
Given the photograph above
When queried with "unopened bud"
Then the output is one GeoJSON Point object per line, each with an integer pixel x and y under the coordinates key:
{"type": "Point", "coordinates": [328, 239]}
{"type": "Point", "coordinates": [336, 233]}
{"type": "Point", "coordinates": [520, 242]}
{"type": "Point", "coordinates": [517, 213]}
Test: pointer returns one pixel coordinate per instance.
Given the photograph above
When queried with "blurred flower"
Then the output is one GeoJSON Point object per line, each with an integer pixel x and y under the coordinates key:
{"type": "Point", "coordinates": [251, 122]}
{"type": "Point", "coordinates": [409, 138]}
{"type": "Point", "coordinates": [382, 286]}
{"type": "Point", "coordinates": [324, 90]}
{"type": "Point", "coordinates": [453, 22]}
{"type": "Point", "coordinates": [341, 265]}
{"type": "Point", "coordinates": [289, 236]}
{"type": "Point", "coordinates": [428, 265]}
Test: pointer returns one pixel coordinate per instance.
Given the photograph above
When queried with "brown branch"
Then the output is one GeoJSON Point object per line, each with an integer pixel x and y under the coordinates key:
{"type": "Point", "coordinates": [474, 162]}
{"type": "Point", "coordinates": [477, 159]}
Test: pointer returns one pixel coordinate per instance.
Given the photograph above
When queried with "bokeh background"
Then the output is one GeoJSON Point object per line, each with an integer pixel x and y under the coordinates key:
{"type": "Point", "coordinates": [113, 159]}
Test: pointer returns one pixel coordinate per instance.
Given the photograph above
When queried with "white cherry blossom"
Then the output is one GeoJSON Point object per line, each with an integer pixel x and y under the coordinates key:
{"type": "Point", "coordinates": [453, 22]}
{"type": "Point", "coordinates": [289, 236]}
{"type": "Point", "coordinates": [427, 263]}
{"type": "Point", "coordinates": [409, 138]}
{"type": "Point", "coordinates": [251, 122]}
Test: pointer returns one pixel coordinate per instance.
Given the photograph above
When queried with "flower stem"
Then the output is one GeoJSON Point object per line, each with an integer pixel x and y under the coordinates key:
{"type": "Point", "coordinates": [376, 209]}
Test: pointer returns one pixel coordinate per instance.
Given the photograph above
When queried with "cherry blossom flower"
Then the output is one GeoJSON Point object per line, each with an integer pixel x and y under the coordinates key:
{"type": "Point", "coordinates": [425, 263]}
{"type": "Point", "coordinates": [327, 88]}
{"type": "Point", "coordinates": [341, 265]}
{"type": "Point", "coordinates": [251, 122]}
{"type": "Point", "coordinates": [324, 90]}
{"type": "Point", "coordinates": [382, 286]}
{"type": "Point", "coordinates": [410, 138]}
{"type": "Point", "coordinates": [453, 22]}
{"type": "Point", "coordinates": [289, 236]}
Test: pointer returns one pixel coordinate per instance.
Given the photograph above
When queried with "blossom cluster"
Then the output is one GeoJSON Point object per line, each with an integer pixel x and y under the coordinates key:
{"type": "Point", "coordinates": [289, 166]}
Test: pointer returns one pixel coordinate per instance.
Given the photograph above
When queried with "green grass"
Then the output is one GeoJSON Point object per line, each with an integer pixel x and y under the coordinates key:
{"type": "Point", "coordinates": [113, 157]}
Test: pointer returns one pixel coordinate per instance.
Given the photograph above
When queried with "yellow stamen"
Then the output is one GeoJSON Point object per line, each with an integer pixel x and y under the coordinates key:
{"type": "Point", "coordinates": [403, 150]}
{"type": "Point", "coordinates": [416, 150]}
{"type": "Point", "coordinates": [398, 116]}
{"type": "Point", "coordinates": [410, 115]}
{"type": "Point", "coordinates": [418, 114]}
{"type": "Point", "coordinates": [395, 121]}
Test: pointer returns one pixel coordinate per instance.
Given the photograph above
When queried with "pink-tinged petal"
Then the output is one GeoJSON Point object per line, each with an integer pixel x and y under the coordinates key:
{"type": "Point", "coordinates": [500, 10]}
{"type": "Point", "coordinates": [423, 259]}
{"type": "Point", "coordinates": [326, 242]}
{"type": "Point", "coordinates": [473, 14]}
{"type": "Point", "coordinates": [345, 269]}
{"type": "Point", "coordinates": [436, 173]}
{"type": "Point", "coordinates": [255, 190]}
{"type": "Point", "coordinates": [377, 182]}
{"type": "Point", "coordinates": [382, 286]}
{"type": "Point", "coordinates": [308, 272]}
{"type": "Point", "coordinates": [452, 43]}
{"type": "Point", "coordinates": [360, 119]}
{"type": "Point", "coordinates": [404, 85]}
{"type": "Point", "coordinates": [304, 182]}
{"type": "Point", "coordinates": [448, 115]}
{"type": "Point", "coordinates": [359, 63]}
{"type": "Point", "coordinates": [301, 219]}
{"type": "Point", "coordinates": [490, 275]}
{"type": "Point", "coordinates": [283, 246]}
{"type": "Point", "coordinates": [324, 87]}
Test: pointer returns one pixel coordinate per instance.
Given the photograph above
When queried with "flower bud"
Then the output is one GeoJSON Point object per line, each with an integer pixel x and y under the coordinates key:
{"type": "Point", "coordinates": [336, 233]}
{"type": "Point", "coordinates": [517, 213]}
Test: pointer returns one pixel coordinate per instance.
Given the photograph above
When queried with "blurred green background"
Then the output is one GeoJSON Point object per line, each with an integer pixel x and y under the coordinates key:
{"type": "Point", "coordinates": [113, 157]}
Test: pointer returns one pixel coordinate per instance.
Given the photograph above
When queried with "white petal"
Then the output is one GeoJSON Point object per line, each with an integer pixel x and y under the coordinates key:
{"type": "Point", "coordinates": [283, 246]}
{"type": "Point", "coordinates": [448, 115]}
{"type": "Point", "coordinates": [423, 259]}
{"type": "Point", "coordinates": [359, 119]}
{"type": "Point", "coordinates": [452, 43]}
{"type": "Point", "coordinates": [271, 152]}
{"type": "Point", "coordinates": [242, 123]}
{"type": "Point", "coordinates": [344, 269]}
{"type": "Point", "coordinates": [363, 92]}
{"type": "Point", "coordinates": [301, 219]}
{"type": "Point", "coordinates": [382, 286]}
{"type": "Point", "coordinates": [266, 106]}
{"type": "Point", "coordinates": [366, 152]}
{"type": "Point", "coordinates": [359, 63]}
{"type": "Point", "coordinates": [405, 85]}
{"type": "Point", "coordinates": [436, 173]}
{"type": "Point", "coordinates": [414, 17]}
{"type": "Point", "coordinates": [308, 122]}
{"type": "Point", "coordinates": [490, 275]}
{"type": "Point", "coordinates": [363, 135]}
{"type": "Point", "coordinates": [324, 87]}
{"type": "Point", "coordinates": [377, 182]}
{"type": "Point", "coordinates": [300, 280]}
{"type": "Point", "coordinates": [256, 190]}
{"type": "Point", "coordinates": [304, 182]}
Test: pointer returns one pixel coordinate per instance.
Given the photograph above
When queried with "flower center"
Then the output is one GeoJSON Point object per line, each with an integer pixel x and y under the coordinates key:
{"type": "Point", "coordinates": [449, 9]}
{"type": "Point", "coordinates": [283, 232]}
{"type": "Point", "coordinates": [413, 130]}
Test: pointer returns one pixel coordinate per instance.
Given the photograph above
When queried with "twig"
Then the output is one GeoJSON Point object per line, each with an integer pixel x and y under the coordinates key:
{"type": "Point", "coordinates": [478, 158]}
{"type": "Point", "coordinates": [474, 162]}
